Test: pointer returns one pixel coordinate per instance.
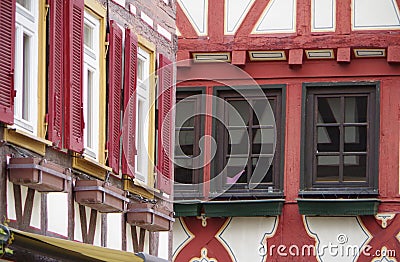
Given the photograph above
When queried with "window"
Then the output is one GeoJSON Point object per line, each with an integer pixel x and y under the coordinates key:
{"type": "Point", "coordinates": [26, 66]}
{"type": "Point", "coordinates": [246, 133]}
{"type": "Point", "coordinates": [91, 85]}
{"type": "Point", "coordinates": [142, 117]}
{"type": "Point", "coordinates": [188, 129]}
{"type": "Point", "coordinates": [247, 157]}
{"type": "Point", "coordinates": [341, 134]}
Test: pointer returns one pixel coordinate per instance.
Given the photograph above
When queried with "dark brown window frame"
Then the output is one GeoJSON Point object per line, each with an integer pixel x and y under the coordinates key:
{"type": "Point", "coordinates": [308, 158]}
{"type": "Point", "coordinates": [182, 190]}
{"type": "Point", "coordinates": [274, 91]}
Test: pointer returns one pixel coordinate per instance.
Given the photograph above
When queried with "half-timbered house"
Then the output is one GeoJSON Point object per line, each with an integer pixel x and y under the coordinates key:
{"type": "Point", "coordinates": [84, 86]}
{"type": "Point", "coordinates": [328, 71]}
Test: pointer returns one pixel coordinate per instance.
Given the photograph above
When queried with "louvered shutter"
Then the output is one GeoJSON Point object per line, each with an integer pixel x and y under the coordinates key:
{"type": "Point", "coordinates": [7, 47]}
{"type": "Point", "coordinates": [73, 75]}
{"type": "Point", "coordinates": [114, 91]}
{"type": "Point", "coordinates": [165, 102]}
{"type": "Point", "coordinates": [130, 81]}
{"type": "Point", "coordinates": [56, 73]}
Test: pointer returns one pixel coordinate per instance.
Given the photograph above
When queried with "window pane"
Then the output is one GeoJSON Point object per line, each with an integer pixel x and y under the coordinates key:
{"type": "Point", "coordinates": [89, 108]}
{"type": "Point", "coordinates": [262, 114]}
{"type": "Point", "coordinates": [242, 110]}
{"type": "Point", "coordinates": [328, 139]}
{"type": "Point", "coordinates": [140, 137]}
{"type": "Point", "coordinates": [265, 138]}
{"type": "Point", "coordinates": [26, 77]}
{"type": "Point", "coordinates": [88, 35]}
{"type": "Point", "coordinates": [236, 170]}
{"type": "Point", "coordinates": [356, 109]}
{"type": "Point", "coordinates": [25, 3]}
{"type": "Point", "coordinates": [355, 168]}
{"type": "Point", "coordinates": [239, 142]}
{"type": "Point", "coordinates": [183, 175]}
{"type": "Point", "coordinates": [140, 69]}
{"type": "Point", "coordinates": [329, 110]}
{"type": "Point", "coordinates": [186, 141]}
{"type": "Point", "coordinates": [355, 138]}
{"type": "Point", "coordinates": [264, 170]}
{"type": "Point", "coordinates": [185, 111]}
{"type": "Point", "coordinates": [328, 168]}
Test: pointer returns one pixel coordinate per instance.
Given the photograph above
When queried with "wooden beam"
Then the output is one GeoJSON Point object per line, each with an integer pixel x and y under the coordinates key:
{"type": "Point", "coordinates": [343, 55]}
{"type": "Point", "coordinates": [238, 57]}
{"type": "Point", "coordinates": [393, 54]}
{"type": "Point", "coordinates": [295, 56]}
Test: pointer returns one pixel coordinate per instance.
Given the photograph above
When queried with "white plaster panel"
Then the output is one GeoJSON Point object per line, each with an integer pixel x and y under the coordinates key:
{"type": "Point", "coordinates": [235, 12]}
{"type": "Point", "coordinates": [57, 213]}
{"type": "Point", "coordinates": [97, 234]}
{"type": "Point", "coordinates": [323, 15]}
{"type": "Point", "coordinates": [196, 12]}
{"type": "Point", "coordinates": [120, 2]}
{"type": "Point", "coordinates": [129, 243]}
{"type": "Point", "coordinates": [254, 230]}
{"type": "Point", "coordinates": [77, 229]}
{"type": "Point", "coordinates": [114, 231]}
{"type": "Point", "coordinates": [36, 210]}
{"type": "Point", "coordinates": [375, 14]}
{"type": "Point", "coordinates": [11, 214]}
{"type": "Point", "coordinates": [278, 17]}
{"type": "Point", "coordinates": [343, 232]}
{"type": "Point", "coordinates": [180, 236]}
{"type": "Point", "coordinates": [163, 245]}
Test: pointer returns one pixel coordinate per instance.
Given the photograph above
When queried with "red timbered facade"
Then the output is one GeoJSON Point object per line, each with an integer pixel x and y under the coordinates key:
{"type": "Point", "coordinates": [287, 130]}
{"type": "Point", "coordinates": [80, 162]}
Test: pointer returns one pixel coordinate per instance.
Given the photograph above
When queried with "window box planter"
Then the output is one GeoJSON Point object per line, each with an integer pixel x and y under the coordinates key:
{"type": "Point", "coordinates": [338, 207]}
{"type": "Point", "coordinates": [100, 196]}
{"type": "Point", "coordinates": [149, 216]}
{"type": "Point", "coordinates": [38, 174]}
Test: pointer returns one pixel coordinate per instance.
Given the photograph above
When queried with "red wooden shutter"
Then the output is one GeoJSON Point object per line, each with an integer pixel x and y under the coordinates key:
{"type": "Point", "coordinates": [73, 75]}
{"type": "Point", "coordinates": [165, 129]}
{"type": "Point", "coordinates": [114, 98]}
{"type": "Point", "coordinates": [7, 47]}
{"type": "Point", "coordinates": [129, 128]}
{"type": "Point", "coordinates": [56, 65]}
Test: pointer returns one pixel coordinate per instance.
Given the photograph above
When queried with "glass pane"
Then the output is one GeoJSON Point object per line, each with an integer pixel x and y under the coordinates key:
{"type": "Point", "coordinates": [183, 175]}
{"type": "Point", "coordinates": [26, 75]}
{"type": "Point", "coordinates": [140, 136]}
{"type": "Point", "coordinates": [25, 3]}
{"type": "Point", "coordinates": [236, 171]}
{"type": "Point", "coordinates": [88, 36]}
{"type": "Point", "coordinates": [186, 141]}
{"type": "Point", "coordinates": [262, 115]}
{"type": "Point", "coordinates": [184, 113]}
{"type": "Point", "coordinates": [328, 139]}
{"type": "Point", "coordinates": [328, 168]}
{"type": "Point", "coordinates": [355, 168]}
{"type": "Point", "coordinates": [263, 172]}
{"type": "Point", "coordinates": [89, 109]}
{"type": "Point", "coordinates": [356, 109]}
{"type": "Point", "coordinates": [329, 110]}
{"type": "Point", "coordinates": [355, 138]}
{"type": "Point", "coordinates": [239, 143]}
{"type": "Point", "coordinates": [140, 69]}
{"type": "Point", "coordinates": [265, 138]}
{"type": "Point", "coordinates": [242, 110]}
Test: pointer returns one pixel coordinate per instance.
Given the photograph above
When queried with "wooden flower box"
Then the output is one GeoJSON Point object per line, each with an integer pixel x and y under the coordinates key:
{"type": "Point", "coordinates": [100, 196]}
{"type": "Point", "coordinates": [149, 216]}
{"type": "Point", "coordinates": [38, 174]}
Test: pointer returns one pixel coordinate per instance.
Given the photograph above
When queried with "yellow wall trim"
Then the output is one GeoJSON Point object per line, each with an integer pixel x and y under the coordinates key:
{"type": "Point", "coordinates": [26, 140]}
{"type": "Point", "coordinates": [90, 167]}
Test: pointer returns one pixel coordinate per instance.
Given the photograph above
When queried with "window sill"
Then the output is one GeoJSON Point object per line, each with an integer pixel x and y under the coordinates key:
{"type": "Point", "coordinates": [137, 187]}
{"type": "Point", "coordinates": [232, 208]}
{"type": "Point", "coordinates": [338, 207]}
{"type": "Point", "coordinates": [349, 192]}
{"type": "Point", "coordinates": [90, 166]}
{"type": "Point", "coordinates": [248, 194]}
{"type": "Point", "coordinates": [26, 140]}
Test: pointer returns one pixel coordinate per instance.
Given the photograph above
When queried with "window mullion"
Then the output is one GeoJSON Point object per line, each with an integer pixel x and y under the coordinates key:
{"type": "Point", "coordinates": [341, 139]}
{"type": "Point", "coordinates": [250, 134]}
